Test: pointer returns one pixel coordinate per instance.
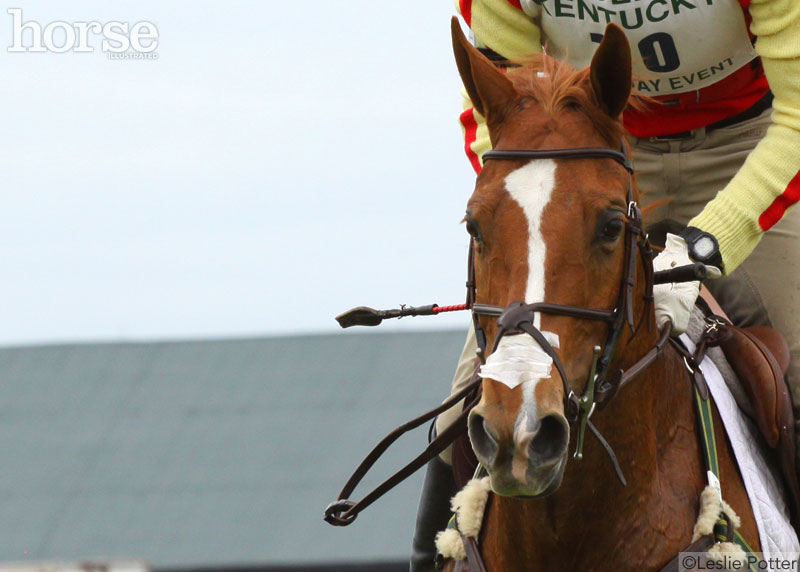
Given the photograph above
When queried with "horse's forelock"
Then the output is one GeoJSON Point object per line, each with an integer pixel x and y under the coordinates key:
{"type": "Point", "coordinates": [555, 86]}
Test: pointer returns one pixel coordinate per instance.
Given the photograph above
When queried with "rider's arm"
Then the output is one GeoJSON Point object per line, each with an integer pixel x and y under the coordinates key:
{"type": "Point", "coordinates": [500, 28]}
{"type": "Point", "coordinates": [769, 181]}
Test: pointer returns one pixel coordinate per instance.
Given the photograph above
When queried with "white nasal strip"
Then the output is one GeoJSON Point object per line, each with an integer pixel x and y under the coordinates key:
{"type": "Point", "coordinates": [518, 359]}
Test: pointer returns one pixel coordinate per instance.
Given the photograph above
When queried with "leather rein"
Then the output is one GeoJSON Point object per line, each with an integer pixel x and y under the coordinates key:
{"type": "Point", "coordinates": [603, 383]}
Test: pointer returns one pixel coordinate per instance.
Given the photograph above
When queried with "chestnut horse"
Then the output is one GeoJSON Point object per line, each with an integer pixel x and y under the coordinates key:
{"type": "Point", "coordinates": [554, 230]}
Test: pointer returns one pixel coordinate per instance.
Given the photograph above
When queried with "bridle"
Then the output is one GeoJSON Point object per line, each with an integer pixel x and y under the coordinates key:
{"type": "Point", "coordinates": [518, 318]}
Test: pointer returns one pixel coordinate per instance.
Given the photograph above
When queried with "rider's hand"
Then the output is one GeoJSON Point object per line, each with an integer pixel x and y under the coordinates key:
{"type": "Point", "coordinates": [674, 302]}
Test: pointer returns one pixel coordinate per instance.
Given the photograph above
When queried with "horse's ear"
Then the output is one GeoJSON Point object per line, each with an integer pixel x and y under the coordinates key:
{"type": "Point", "coordinates": [489, 89]}
{"type": "Point", "coordinates": [611, 71]}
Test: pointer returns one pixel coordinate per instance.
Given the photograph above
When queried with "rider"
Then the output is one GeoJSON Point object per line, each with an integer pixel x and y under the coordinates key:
{"type": "Point", "coordinates": [718, 151]}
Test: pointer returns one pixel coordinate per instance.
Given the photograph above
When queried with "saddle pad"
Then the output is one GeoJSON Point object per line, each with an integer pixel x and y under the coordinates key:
{"type": "Point", "coordinates": [763, 489]}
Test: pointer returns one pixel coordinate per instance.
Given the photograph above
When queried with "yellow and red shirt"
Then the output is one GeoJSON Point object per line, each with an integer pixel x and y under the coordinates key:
{"type": "Point", "coordinates": [698, 58]}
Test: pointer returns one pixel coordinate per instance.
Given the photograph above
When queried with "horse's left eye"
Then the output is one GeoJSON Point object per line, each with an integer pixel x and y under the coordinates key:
{"type": "Point", "coordinates": [612, 229]}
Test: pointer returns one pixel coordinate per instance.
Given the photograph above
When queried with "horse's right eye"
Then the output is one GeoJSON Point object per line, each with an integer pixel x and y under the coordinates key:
{"type": "Point", "coordinates": [473, 229]}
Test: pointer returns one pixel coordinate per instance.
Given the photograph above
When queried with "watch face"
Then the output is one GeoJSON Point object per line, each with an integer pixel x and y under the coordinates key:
{"type": "Point", "coordinates": [704, 247]}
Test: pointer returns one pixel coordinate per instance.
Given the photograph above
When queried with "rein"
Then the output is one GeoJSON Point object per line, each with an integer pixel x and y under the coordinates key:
{"type": "Point", "coordinates": [344, 511]}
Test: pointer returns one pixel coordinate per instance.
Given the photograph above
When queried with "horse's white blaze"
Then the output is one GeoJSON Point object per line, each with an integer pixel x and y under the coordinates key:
{"type": "Point", "coordinates": [532, 187]}
{"type": "Point", "coordinates": [526, 424]}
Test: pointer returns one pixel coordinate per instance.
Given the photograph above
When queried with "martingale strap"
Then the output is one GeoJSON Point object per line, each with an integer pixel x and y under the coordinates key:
{"type": "Point", "coordinates": [723, 529]}
{"type": "Point", "coordinates": [708, 441]}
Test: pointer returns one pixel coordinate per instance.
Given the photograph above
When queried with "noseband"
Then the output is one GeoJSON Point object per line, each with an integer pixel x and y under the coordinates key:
{"type": "Point", "coordinates": [518, 318]}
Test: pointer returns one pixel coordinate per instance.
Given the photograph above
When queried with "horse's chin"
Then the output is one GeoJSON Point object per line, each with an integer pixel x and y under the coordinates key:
{"type": "Point", "coordinates": [540, 481]}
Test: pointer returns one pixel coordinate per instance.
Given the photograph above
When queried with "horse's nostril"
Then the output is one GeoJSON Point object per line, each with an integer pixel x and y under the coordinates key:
{"type": "Point", "coordinates": [551, 440]}
{"type": "Point", "coordinates": [484, 445]}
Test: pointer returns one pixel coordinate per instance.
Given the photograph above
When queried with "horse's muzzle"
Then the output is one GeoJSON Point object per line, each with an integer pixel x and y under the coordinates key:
{"type": "Point", "coordinates": [523, 462]}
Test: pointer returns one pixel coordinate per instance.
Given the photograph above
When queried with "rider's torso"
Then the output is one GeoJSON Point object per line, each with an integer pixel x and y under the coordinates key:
{"type": "Point", "coordinates": [677, 45]}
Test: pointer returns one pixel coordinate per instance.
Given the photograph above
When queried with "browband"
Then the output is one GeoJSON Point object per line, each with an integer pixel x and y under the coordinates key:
{"type": "Point", "coordinates": [577, 153]}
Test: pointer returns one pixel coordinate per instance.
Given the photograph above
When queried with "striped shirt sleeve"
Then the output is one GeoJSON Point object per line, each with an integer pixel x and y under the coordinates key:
{"type": "Point", "coordinates": [503, 27]}
{"type": "Point", "coordinates": [768, 183]}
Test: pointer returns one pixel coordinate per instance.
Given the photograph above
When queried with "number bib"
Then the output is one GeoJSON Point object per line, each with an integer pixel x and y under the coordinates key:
{"type": "Point", "coordinates": [677, 45]}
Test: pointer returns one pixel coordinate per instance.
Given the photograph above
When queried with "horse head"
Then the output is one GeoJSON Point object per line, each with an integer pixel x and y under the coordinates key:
{"type": "Point", "coordinates": [544, 230]}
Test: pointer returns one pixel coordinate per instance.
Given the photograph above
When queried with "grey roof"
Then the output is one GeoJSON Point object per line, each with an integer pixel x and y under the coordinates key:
{"type": "Point", "coordinates": [210, 452]}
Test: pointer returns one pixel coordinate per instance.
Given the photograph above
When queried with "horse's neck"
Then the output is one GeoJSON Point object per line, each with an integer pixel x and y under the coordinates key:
{"type": "Point", "coordinates": [651, 427]}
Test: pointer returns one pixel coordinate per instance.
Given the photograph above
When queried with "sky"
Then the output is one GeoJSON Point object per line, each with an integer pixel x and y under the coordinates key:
{"type": "Point", "coordinates": [277, 164]}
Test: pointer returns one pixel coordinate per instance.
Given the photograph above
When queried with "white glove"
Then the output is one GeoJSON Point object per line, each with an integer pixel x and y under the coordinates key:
{"type": "Point", "coordinates": [674, 302]}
